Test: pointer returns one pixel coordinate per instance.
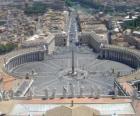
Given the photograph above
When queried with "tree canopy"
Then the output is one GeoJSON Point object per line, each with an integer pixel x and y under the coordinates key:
{"type": "Point", "coordinates": [36, 8]}
{"type": "Point", "coordinates": [7, 48]}
{"type": "Point", "coordinates": [69, 2]}
{"type": "Point", "coordinates": [132, 24]}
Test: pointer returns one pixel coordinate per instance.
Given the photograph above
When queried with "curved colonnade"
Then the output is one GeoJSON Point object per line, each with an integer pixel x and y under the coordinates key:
{"type": "Point", "coordinates": [17, 57]}
{"type": "Point", "coordinates": [120, 54]}
{"type": "Point", "coordinates": [24, 58]}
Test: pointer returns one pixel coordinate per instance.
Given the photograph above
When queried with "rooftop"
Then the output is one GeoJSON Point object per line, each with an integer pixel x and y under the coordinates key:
{"type": "Point", "coordinates": [106, 106]}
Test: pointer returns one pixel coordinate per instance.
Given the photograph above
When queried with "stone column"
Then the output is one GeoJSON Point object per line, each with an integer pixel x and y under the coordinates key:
{"type": "Point", "coordinates": [20, 60]}
{"type": "Point", "coordinates": [101, 54]}
{"type": "Point", "coordinates": [9, 66]}
{"type": "Point", "coordinates": [117, 56]}
{"type": "Point", "coordinates": [12, 63]}
{"type": "Point", "coordinates": [105, 54]}
{"type": "Point", "coordinates": [138, 64]}
{"type": "Point", "coordinates": [1, 96]}
{"type": "Point", "coordinates": [138, 86]}
{"type": "Point", "coordinates": [4, 95]}
{"type": "Point", "coordinates": [26, 58]}
{"type": "Point", "coordinates": [23, 59]}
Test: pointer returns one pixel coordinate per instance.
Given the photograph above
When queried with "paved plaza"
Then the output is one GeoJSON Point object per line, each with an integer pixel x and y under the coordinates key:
{"type": "Point", "coordinates": [95, 75]}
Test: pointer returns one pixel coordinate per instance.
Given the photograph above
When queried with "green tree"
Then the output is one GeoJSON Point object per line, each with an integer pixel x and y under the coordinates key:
{"type": "Point", "coordinates": [69, 2]}
{"type": "Point", "coordinates": [36, 8]}
{"type": "Point", "coordinates": [7, 48]}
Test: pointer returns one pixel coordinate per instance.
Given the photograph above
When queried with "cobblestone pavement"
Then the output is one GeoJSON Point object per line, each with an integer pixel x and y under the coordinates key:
{"type": "Point", "coordinates": [47, 74]}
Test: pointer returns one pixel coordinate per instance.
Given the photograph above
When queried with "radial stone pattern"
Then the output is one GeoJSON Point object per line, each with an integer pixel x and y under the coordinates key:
{"type": "Point", "coordinates": [91, 75]}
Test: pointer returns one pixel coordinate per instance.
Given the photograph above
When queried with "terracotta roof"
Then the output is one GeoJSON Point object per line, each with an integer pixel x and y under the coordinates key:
{"type": "Point", "coordinates": [8, 83]}
{"type": "Point", "coordinates": [126, 86]}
